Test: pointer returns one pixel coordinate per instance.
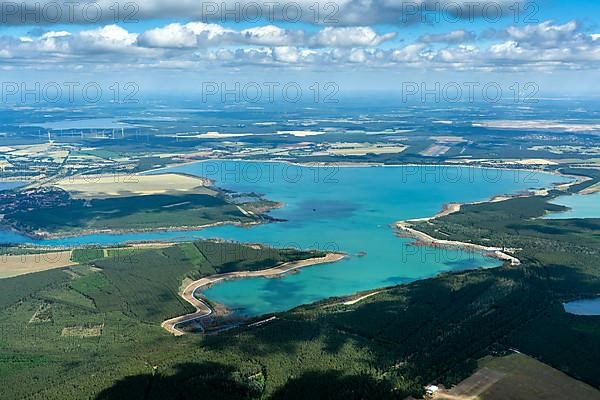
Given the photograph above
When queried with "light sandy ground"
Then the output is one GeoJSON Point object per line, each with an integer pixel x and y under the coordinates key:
{"type": "Point", "coordinates": [497, 252]}
{"type": "Point", "coordinates": [518, 377]}
{"type": "Point", "coordinates": [435, 150]}
{"type": "Point", "coordinates": [57, 156]}
{"type": "Point", "coordinates": [41, 315]}
{"type": "Point", "coordinates": [31, 150]}
{"type": "Point", "coordinates": [362, 149]}
{"type": "Point", "coordinates": [587, 150]}
{"type": "Point", "coordinates": [541, 125]}
{"type": "Point", "coordinates": [592, 189]}
{"type": "Point", "coordinates": [531, 161]}
{"type": "Point", "coordinates": [82, 332]}
{"type": "Point", "coordinates": [361, 298]}
{"type": "Point", "coordinates": [300, 133]}
{"type": "Point", "coordinates": [11, 266]}
{"type": "Point", "coordinates": [203, 310]}
{"type": "Point", "coordinates": [448, 139]}
{"type": "Point", "coordinates": [103, 186]}
{"type": "Point", "coordinates": [506, 163]}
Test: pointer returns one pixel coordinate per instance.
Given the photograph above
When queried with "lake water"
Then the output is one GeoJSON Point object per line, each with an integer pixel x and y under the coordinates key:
{"type": "Point", "coordinates": [581, 206]}
{"type": "Point", "coordinates": [10, 185]}
{"type": "Point", "coordinates": [583, 307]}
{"type": "Point", "coordinates": [336, 209]}
{"type": "Point", "coordinates": [350, 210]}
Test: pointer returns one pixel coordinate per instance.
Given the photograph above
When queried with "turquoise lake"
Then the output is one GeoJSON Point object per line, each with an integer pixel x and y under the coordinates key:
{"type": "Point", "coordinates": [587, 307]}
{"type": "Point", "coordinates": [581, 206]}
{"type": "Point", "coordinates": [10, 185]}
{"type": "Point", "coordinates": [348, 209]}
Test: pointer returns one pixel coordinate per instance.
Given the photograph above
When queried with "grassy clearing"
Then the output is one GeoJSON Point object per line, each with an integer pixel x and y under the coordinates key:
{"type": "Point", "coordinates": [82, 331]}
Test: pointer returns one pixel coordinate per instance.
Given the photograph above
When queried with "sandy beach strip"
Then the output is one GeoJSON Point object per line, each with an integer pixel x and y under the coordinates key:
{"type": "Point", "coordinates": [405, 228]}
{"type": "Point", "coordinates": [203, 310]}
{"type": "Point", "coordinates": [591, 189]}
{"type": "Point", "coordinates": [360, 298]}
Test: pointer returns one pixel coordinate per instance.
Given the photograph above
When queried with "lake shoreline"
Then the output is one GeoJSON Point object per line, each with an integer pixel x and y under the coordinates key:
{"type": "Point", "coordinates": [43, 235]}
{"type": "Point", "coordinates": [405, 228]}
{"type": "Point", "coordinates": [204, 309]}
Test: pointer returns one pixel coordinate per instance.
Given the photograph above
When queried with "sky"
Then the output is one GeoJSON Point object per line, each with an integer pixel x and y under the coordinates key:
{"type": "Point", "coordinates": [360, 45]}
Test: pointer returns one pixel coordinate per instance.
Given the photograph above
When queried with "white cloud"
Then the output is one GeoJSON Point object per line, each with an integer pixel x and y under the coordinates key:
{"type": "Point", "coordinates": [456, 36]}
{"type": "Point", "coordinates": [170, 36]}
{"type": "Point", "coordinates": [293, 55]}
{"type": "Point", "coordinates": [545, 34]}
{"type": "Point", "coordinates": [271, 35]}
{"type": "Point", "coordinates": [197, 34]}
{"type": "Point", "coordinates": [409, 54]}
{"type": "Point", "coordinates": [108, 38]}
{"type": "Point", "coordinates": [196, 44]}
{"type": "Point", "coordinates": [349, 37]}
{"type": "Point", "coordinates": [546, 44]}
{"type": "Point", "coordinates": [357, 56]}
{"type": "Point", "coordinates": [54, 34]}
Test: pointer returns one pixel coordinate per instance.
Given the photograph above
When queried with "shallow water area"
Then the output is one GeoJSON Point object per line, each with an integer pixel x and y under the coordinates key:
{"type": "Point", "coordinates": [580, 206]}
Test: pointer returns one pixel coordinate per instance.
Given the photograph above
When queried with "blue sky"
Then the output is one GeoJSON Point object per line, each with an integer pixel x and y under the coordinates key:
{"type": "Point", "coordinates": [362, 45]}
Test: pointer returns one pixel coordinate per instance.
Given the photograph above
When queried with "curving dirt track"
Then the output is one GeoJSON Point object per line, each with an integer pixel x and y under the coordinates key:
{"type": "Point", "coordinates": [203, 310]}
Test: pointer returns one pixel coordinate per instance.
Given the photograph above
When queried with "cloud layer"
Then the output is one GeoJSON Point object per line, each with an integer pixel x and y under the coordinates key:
{"type": "Point", "coordinates": [546, 45]}
{"type": "Point", "coordinates": [198, 34]}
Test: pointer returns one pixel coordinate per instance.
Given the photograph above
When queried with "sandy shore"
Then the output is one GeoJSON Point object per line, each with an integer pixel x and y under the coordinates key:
{"type": "Point", "coordinates": [451, 208]}
{"type": "Point", "coordinates": [405, 228]}
{"type": "Point", "coordinates": [203, 309]}
{"type": "Point", "coordinates": [591, 190]}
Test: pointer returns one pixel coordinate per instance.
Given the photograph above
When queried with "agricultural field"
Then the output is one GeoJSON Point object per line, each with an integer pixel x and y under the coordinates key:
{"type": "Point", "coordinates": [105, 186]}
{"type": "Point", "coordinates": [15, 265]}
{"type": "Point", "coordinates": [518, 377]}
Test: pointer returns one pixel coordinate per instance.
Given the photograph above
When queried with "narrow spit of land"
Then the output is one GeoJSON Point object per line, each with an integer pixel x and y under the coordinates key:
{"type": "Point", "coordinates": [406, 228]}
{"type": "Point", "coordinates": [204, 310]}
